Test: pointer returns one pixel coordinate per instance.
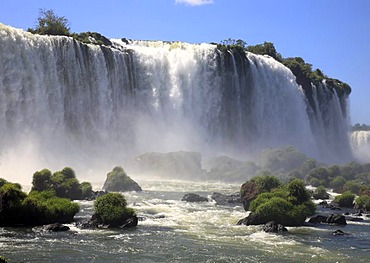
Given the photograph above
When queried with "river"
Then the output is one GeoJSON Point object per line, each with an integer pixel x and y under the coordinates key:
{"type": "Point", "coordinates": [171, 230]}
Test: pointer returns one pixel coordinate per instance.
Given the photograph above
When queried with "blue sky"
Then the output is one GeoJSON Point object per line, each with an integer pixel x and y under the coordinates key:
{"type": "Point", "coordinates": [333, 35]}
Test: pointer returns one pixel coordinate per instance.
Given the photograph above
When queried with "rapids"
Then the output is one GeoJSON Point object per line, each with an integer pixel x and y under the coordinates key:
{"type": "Point", "coordinates": [176, 231]}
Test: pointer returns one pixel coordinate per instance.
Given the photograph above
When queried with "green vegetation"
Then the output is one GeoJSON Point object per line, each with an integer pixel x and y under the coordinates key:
{"type": "Point", "coordinates": [3, 260]}
{"type": "Point", "coordinates": [267, 48]}
{"type": "Point", "coordinates": [303, 71]}
{"type": "Point", "coordinates": [282, 159]}
{"type": "Point", "coordinates": [45, 208]}
{"type": "Point", "coordinates": [64, 183]}
{"type": "Point", "coordinates": [224, 168]}
{"type": "Point", "coordinates": [349, 177]}
{"type": "Point", "coordinates": [257, 185]}
{"type": "Point", "coordinates": [118, 181]}
{"type": "Point", "coordinates": [286, 204]}
{"type": "Point", "coordinates": [320, 193]}
{"type": "Point", "coordinates": [36, 208]}
{"type": "Point", "coordinates": [363, 202]}
{"type": "Point", "coordinates": [360, 127]}
{"type": "Point", "coordinates": [233, 45]}
{"type": "Point", "coordinates": [48, 23]}
{"type": "Point", "coordinates": [91, 38]}
{"type": "Point", "coordinates": [111, 209]}
{"type": "Point", "coordinates": [345, 200]}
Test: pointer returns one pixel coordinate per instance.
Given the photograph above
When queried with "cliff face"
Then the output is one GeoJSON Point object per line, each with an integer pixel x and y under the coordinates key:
{"type": "Point", "coordinates": [76, 103]}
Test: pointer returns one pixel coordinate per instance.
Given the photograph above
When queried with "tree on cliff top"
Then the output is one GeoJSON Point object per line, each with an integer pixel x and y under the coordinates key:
{"type": "Point", "coordinates": [48, 23]}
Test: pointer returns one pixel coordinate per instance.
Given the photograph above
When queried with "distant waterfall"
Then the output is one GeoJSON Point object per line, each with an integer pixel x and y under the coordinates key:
{"type": "Point", "coordinates": [361, 145]}
{"type": "Point", "coordinates": [65, 103]}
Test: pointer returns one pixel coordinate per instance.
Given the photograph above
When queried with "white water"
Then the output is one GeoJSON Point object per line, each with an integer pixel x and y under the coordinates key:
{"type": "Point", "coordinates": [361, 145]}
{"type": "Point", "coordinates": [177, 231]}
{"type": "Point", "coordinates": [67, 104]}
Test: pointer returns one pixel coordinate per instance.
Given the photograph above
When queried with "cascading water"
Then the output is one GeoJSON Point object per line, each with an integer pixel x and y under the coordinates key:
{"type": "Point", "coordinates": [361, 145]}
{"type": "Point", "coordinates": [63, 103]}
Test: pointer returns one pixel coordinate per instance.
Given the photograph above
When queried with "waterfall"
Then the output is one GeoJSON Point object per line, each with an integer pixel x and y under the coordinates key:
{"type": "Point", "coordinates": [361, 145]}
{"type": "Point", "coordinates": [63, 103]}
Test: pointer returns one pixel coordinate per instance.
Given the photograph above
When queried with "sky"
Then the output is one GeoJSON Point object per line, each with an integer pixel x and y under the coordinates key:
{"type": "Point", "coordinates": [332, 35]}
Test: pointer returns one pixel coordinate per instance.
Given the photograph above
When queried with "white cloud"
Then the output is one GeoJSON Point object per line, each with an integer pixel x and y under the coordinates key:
{"type": "Point", "coordinates": [194, 2]}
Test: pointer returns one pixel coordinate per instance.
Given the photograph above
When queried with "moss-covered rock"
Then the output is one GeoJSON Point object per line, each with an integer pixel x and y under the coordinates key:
{"type": "Point", "coordinates": [111, 211]}
{"type": "Point", "coordinates": [288, 205]}
{"type": "Point", "coordinates": [36, 208]}
{"type": "Point", "coordinates": [64, 183]}
{"type": "Point", "coordinates": [118, 181]}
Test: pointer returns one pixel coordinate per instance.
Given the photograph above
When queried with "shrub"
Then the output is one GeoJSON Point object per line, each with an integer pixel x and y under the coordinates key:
{"type": "Point", "coordinates": [353, 187]}
{"type": "Point", "coordinates": [282, 159]}
{"type": "Point", "coordinates": [111, 209]}
{"type": "Point", "coordinates": [264, 197]}
{"type": "Point", "coordinates": [11, 197]}
{"type": "Point", "coordinates": [337, 182]}
{"type": "Point", "coordinates": [363, 202]}
{"type": "Point", "coordinates": [321, 174]}
{"type": "Point", "coordinates": [36, 208]}
{"type": "Point", "coordinates": [64, 183]}
{"type": "Point", "coordinates": [345, 199]}
{"type": "Point", "coordinates": [320, 193]}
{"type": "Point", "coordinates": [287, 205]}
{"type": "Point", "coordinates": [48, 23]}
{"type": "Point", "coordinates": [45, 208]}
{"type": "Point", "coordinates": [267, 182]}
{"type": "Point", "coordinates": [308, 165]}
{"type": "Point", "coordinates": [41, 180]}
{"type": "Point", "coordinates": [275, 209]}
{"type": "Point", "coordinates": [297, 193]}
{"type": "Point", "coordinates": [298, 214]}
{"type": "Point", "coordinates": [86, 190]}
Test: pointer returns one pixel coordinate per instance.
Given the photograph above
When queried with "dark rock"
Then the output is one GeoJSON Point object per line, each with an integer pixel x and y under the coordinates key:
{"type": "Point", "coordinates": [56, 227]}
{"type": "Point", "coordinates": [94, 223]}
{"type": "Point", "coordinates": [191, 197]}
{"type": "Point", "coordinates": [273, 227]}
{"type": "Point", "coordinates": [252, 219]}
{"type": "Point", "coordinates": [131, 222]}
{"type": "Point", "coordinates": [249, 191]}
{"type": "Point", "coordinates": [323, 203]}
{"type": "Point", "coordinates": [334, 205]}
{"type": "Point", "coordinates": [229, 200]}
{"type": "Point", "coordinates": [346, 213]}
{"type": "Point", "coordinates": [317, 219]}
{"type": "Point", "coordinates": [336, 219]}
{"type": "Point", "coordinates": [338, 233]}
{"type": "Point", "coordinates": [95, 194]}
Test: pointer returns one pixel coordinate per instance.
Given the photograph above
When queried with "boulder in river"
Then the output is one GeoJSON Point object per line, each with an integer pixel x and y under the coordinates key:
{"type": "Point", "coordinates": [191, 197]}
{"type": "Point", "coordinates": [118, 181]}
{"type": "Point", "coordinates": [56, 227]}
{"type": "Point", "coordinates": [273, 227]}
{"type": "Point", "coordinates": [229, 200]}
{"type": "Point", "coordinates": [335, 219]}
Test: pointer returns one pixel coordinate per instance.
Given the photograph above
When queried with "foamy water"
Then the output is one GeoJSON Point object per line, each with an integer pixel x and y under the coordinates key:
{"type": "Point", "coordinates": [176, 231]}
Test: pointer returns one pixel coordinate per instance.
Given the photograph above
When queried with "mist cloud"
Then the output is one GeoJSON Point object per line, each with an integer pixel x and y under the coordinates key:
{"type": "Point", "coordinates": [194, 2]}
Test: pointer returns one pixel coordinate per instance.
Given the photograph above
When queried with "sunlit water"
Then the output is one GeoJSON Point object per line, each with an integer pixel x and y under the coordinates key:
{"type": "Point", "coordinates": [176, 231]}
